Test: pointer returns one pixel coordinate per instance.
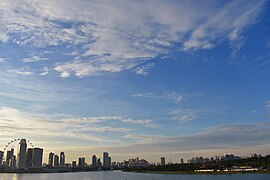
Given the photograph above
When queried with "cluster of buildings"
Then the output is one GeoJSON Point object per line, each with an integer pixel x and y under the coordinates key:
{"type": "Point", "coordinates": [32, 158]}
{"type": "Point", "coordinates": [163, 161]}
{"type": "Point", "coordinates": [58, 161]}
{"type": "Point", "coordinates": [225, 157]}
{"type": "Point", "coordinates": [26, 157]}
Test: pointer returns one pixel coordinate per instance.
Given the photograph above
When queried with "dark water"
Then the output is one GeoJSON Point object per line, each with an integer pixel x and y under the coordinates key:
{"type": "Point", "coordinates": [129, 176]}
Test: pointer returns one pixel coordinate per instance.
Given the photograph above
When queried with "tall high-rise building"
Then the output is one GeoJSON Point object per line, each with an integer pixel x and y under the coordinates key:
{"type": "Point", "coordinates": [9, 156]}
{"type": "Point", "coordinates": [50, 162]}
{"type": "Point", "coordinates": [22, 154]}
{"type": "Point", "coordinates": [99, 163]}
{"type": "Point", "coordinates": [37, 157]}
{"type": "Point", "coordinates": [1, 157]}
{"type": "Point", "coordinates": [56, 161]}
{"type": "Point", "coordinates": [74, 163]}
{"type": "Point", "coordinates": [13, 161]}
{"type": "Point", "coordinates": [162, 161]}
{"type": "Point", "coordinates": [81, 162]}
{"type": "Point", "coordinates": [106, 160]}
{"type": "Point", "coordinates": [29, 157]}
{"type": "Point", "coordinates": [94, 161]}
{"type": "Point", "coordinates": [182, 161]}
{"type": "Point", "coordinates": [62, 159]}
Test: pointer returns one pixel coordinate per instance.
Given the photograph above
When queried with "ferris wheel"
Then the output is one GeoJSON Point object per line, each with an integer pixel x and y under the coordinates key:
{"type": "Point", "coordinates": [14, 142]}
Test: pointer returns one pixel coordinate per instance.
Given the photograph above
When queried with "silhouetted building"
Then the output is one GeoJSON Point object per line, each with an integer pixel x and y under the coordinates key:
{"type": "Point", "coordinates": [13, 161]}
{"type": "Point", "coordinates": [106, 160]}
{"type": "Point", "coordinates": [22, 154]}
{"type": "Point", "coordinates": [62, 159]}
{"type": "Point", "coordinates": [56, 161]}
{"type": "Point", "coordinates": [182, 161]}
{"type": "Point", "coordinates": [81, 162]}
{"type": "Point", "coordinates": [94, 161]}
{"type": "Point", "coordinates": [29, 157]}
{"type": "Point", "coordinates": [1, 157]}
{"type": "Point", "coordinates": [162, 159]}
{"type": "Point", "coordinates": [50, 162]}
{"type": "Point", "coordinates": [9, 156]}
{"type": "Point", "coordinates": [37, 157]}
{"type": "Point", "coordinates": [99, 163]}
{"type": "Point", "coordinates": [74, 163]}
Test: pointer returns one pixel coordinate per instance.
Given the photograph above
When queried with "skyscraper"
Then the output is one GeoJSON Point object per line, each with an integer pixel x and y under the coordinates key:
{"type": "Point", "coordinates": [9, 156]}
{"type": "Point", "coordinates": [50, 162]}
{"type": "Point", "coordinates": [94, 161]}
{"type": "Point", "coordinates": [22, 154]}
{"type": "Point", "coordinates": [37, 157]}
{"type": "Point", "coordinates": [56, 161]}
{"type": "Point", "coordinates": [182, 161]}
{"type": "Point", "coordinates": [81, 162]}
{"type": "Point", "coordinates": [106, 160]}
{"type": "Point", "coordinates": [1, 157]}
{"type": "Point", "coordinates": [162, 161]}
{"type": "Point", "coordinates": [62, 159]}
{"type": "Point", "coordinates": [13, 161]}
{"type": "Point", "coordinates": [29, 157]}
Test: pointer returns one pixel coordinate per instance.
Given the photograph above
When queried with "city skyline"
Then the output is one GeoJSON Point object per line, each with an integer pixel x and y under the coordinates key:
{"type": "Point", "coordinates": [148, 79]}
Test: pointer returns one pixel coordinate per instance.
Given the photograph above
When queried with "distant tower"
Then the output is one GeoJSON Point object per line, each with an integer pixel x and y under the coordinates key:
{"type": "Point", "coordinates": [37, 157]}
{"type": "Point", "coordinates": [56, 161]}
{"type": "Point", "coordinates": [9, 156]}
{"type": "Point", "coordinates": [81, 162]}
{"type": "Point", "coordinates": [106, 160]}
{"type": "Point", "coordinates": [50, 162]}
{"type": "Point", "coordinates": [13, 162]}
{"type": "Point", "coordinates": [29, 157]}
{"type": "Point", "coordinates": [22, 154]}
{"type": "Point", "coordinates": [99, 163]}
{"type": "Point", "coordinates": [94, 161]}
{"type": "Point", "coordinates": [62, 159]}
{"type": "Point", "coordinates": [182, 161]}
{"type": "Point", "coordinates": [162, 161]}
{"type": "Point", "coordinates": [1, 157]}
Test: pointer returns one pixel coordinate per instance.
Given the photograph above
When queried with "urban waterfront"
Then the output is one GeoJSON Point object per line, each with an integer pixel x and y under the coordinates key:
{"type": "Point", "coordinates": [118, 175]}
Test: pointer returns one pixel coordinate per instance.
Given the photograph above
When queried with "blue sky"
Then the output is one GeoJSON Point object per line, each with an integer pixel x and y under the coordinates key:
{"type": "Point", "coordinates": [136, 78]}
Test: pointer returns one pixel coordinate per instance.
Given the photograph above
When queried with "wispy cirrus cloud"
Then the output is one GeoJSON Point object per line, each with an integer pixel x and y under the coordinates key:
{"type": "Point", "coordinates": [34, 58]}
{"type": "Point", "coordinates": [15, 122]}
{"type": "Point", "coordinates": [183, 115]}
{"type": "Point", "coordinates": [170, 96]}
{"type": "Point", "coordinates": [217, 138]}
{"type": "Point", "coordinates": [121, 35]}
{"type": "Point", "coordinates": [26, 71]}
{"type": "Point", "coordinates": [144, 69]}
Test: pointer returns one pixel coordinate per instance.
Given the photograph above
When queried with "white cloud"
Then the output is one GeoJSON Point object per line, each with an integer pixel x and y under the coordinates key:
{"type": "Point", "coordinates": [267, 104]}
{"type": "Point", "coordinates": [144, 69]}
{"type": "Point", "coordinates": [45, 71]}
{"type": "Point", "coordinates": [2, 60]}
{"type": "Point", "coordinates": [34, 58]}
{"type": "Point", "coordinates": [118, 35]}
{"type": "Point", "coordinates": [22, 71]}
{"type": "Point", "coordinates": [16, 123]}
{"type": "Point", "coordinates": [171, 96]}
{"type": "Point", "coordinates": [183, 115]}
{"type": "Point", "coordinates": [227, 21]}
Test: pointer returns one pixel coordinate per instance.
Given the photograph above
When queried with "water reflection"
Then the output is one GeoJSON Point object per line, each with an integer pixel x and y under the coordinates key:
{"type": "Point", "coordinates": [128, 176]}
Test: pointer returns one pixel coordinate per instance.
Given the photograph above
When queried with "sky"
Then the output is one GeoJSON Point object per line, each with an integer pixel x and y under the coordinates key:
{"type": "Point", "coordinates": [144, 78]}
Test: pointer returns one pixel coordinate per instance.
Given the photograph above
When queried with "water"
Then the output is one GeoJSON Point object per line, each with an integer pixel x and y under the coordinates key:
{"type": "Point", "coordinates": [117, 175]}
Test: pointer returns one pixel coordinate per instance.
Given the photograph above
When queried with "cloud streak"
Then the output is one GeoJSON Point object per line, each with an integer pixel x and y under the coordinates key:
{"type": "Point", "coordinates": [121, 35]}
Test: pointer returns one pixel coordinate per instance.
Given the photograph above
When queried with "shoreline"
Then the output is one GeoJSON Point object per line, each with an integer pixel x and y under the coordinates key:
{"type": "Point", "coordinates": [46, 171]}
{"type": "Point", "coordinates": [200, 173]}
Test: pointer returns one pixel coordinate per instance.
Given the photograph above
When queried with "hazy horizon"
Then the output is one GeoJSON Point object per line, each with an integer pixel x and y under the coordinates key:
{"type": "Point", "coordinates": [136, 78]}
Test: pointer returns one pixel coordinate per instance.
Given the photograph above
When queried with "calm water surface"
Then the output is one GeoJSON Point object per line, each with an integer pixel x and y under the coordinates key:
{"type": "Point", "coordinates": [129, 176]}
